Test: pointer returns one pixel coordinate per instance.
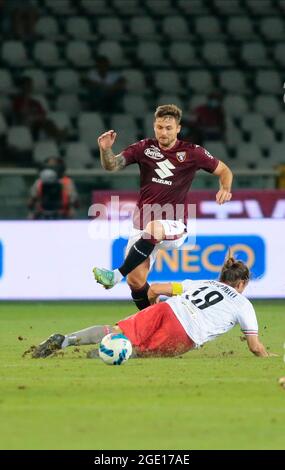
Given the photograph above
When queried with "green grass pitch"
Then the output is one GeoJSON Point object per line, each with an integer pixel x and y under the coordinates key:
{"type": "Point", "coordinates": [220, 397]}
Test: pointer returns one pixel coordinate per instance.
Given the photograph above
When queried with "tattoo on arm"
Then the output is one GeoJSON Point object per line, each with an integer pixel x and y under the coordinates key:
{"type": "Point", "coordinates": [112, 162]}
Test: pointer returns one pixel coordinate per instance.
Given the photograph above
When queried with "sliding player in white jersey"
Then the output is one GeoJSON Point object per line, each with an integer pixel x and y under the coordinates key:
{"type": "Point", "coordinates": [197, 312]}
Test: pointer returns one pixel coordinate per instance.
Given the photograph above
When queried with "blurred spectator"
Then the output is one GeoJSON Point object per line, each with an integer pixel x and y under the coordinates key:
{"type": "Point", "coordinates": [208, 120]}
{"type": "Point", "coordinates": [18, 18]}
{"type": "Point", "coordinates": [28, 111]}
{"type": "Point", "coordinates": [106, 87]}
{"type": "Point", "coordinates": [53, 195]}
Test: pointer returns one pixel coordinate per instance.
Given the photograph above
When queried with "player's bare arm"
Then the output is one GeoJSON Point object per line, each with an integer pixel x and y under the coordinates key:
{"type": "Point", "coordinates": [257, 348]}
{"type": "Point", "coordinates": [226, 177]}
{"type": "Point", "coordinates": [168, 289]}
{"type": "Point", "coordinates": [109, 160]}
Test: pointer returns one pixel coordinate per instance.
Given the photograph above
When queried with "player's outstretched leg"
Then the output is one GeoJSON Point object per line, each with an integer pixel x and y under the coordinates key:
{"type": "Point", "coordinates": [49, 346]}
{"type": "Point", "coordinates": [138, 253]}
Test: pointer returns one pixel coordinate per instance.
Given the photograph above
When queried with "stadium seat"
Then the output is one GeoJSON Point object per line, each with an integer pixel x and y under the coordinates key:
{"type": "Point", "coordinates": [257, 7]}
{"type": "Point", "coordinates": [167, 81]}
{"type": "Point", "coordinates": [43, 101]}
{"type": "Point", "coordinates": [272, 29]}
{"type": "Point", "coordinates": [47, 27]}
{"type": "Point", "coordinates": [14, 53]}
{"type": "Point", "coordinates": [208, 27]}
{"type": "Point", "coordinates": [111, 28]}
{"type": "Point", "coordinates": [78, 156]}
{"type": "Point", "coordinates": [233, 81]}
{"type": "Point", "coordinates": [267, 105]}
{"type": "Point", "coordinates": [135, 105]}
{"type": "Point", "coordinates": [226, 7]}
{"type": "Point", "coordinates": [135, 81]}
{"type": "Point", "coordinates": [216, 54]}
{"type": "Point", "coordinates": [183, 54]}
{"type": "Point", "coordinates": [268, 81]}
{"type": "Point", "coordinates": [91, 120]}
{"type": "Point", "coordinates": [127, 7]}
{"type": "Point", "coordinates": [113, 50]}
{"type": "Point", "coordinates": [79, 54]}
{"type": "Point", "coordinates": [100, 7]}
{"type": "Point", "coordinates": [233, 134]}
{"type": "Point", "coordinates": [12, 186]}
{"type": "Point", "coordinates": [20, 138]}
{"type": "Point", "coordinates": [176, 28]}
{"type": "Point", "coordinates": [67, 80]}
{"type": "Point", "coordinates": [3, 125]}
{"type": "Point", "coordinates": [6, 81]}
{"type": "Point", "coordinates": [169, 99]}
{"type": "Point", "coordinates": [235, 106]}
{"type": "Point", "coordinates": [160, 7]}
{"type": "Point", "coordinates": [251, 121]}
{"type": "Point", "coordinates": [123, 124]}
{"type": "Point", "coordinates": [142, 27]}
{"type": "Point", "coordinates": [79, 28]}
{"type": "Point", "coordinates": [60, 7]}
{"type": "Point", "coordinates": [148, 125]}
{"type": "Point", "coordinates": [279, 122]}
{"type": "Point", "coordinates": [68, 103]}
{"type": "Point", "coordinates": [46, 53]}
{"type": "Point", "coordinates": [196, 100]}
{"type": "Point", "coordinates": [254, 54]}
{"type": "Point", "coordinates": [40, 84]}
{"type": "Point", "coordinates": [150, 53]}
{"type": "Point", "coordinates": [248, 153]}
{"type": "Point", "coordinates": [44, 150]}
{"type": "Point", "coordinates": [277, 153]}
{"type": "Point", "coordinates": [60, 118]}
{"type": "Point", "coordinates": [217, 149]}
{"type": "Point", "coordinates": [200, 81]}
{"type": "Point", "coordinates": [279, 53]}
{"type": "Point", "coordinates": [195, 7]}
{"type": "Point", "coordinates": [241, 28]}
{"type": "Point", "coordinates": [264, 138]}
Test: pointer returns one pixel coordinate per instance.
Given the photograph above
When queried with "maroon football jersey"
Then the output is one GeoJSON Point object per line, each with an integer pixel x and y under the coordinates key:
{"type": "Point", "coordinates": [165, 177]}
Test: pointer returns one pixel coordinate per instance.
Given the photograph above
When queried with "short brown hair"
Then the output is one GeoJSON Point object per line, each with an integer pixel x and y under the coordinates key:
{"type": "Point", "coordinates": [168, 110]}
{"type": "Point", "coordinates": [234, 271]}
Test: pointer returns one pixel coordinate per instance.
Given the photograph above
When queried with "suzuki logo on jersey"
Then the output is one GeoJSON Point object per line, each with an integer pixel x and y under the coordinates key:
{"type": "Point", "coordinates": [1, 259]}
{"type": "Point", "coordinates": [154, 153]}
{"type": "Point", "coordinates": [164, 171]}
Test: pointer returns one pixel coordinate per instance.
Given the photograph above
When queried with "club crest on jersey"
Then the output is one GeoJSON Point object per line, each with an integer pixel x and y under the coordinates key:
{"type": "Point", "coordinates": [181, 156]}
{"type": "Point", "coordinates": [153, 152]}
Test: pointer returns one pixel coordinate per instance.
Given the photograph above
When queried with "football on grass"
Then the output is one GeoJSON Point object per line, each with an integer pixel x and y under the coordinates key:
{"type": "Point", "coordinates": [115, 349]}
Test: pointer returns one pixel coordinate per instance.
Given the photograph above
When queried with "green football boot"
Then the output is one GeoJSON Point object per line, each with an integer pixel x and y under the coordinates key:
{"type": "Point", "coordinates": [104, 277]}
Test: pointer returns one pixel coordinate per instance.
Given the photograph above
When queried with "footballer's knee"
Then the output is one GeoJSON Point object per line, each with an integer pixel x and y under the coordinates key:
{"type": "Point", "coordinates": [155, 229]}
{"type": "Point", "coordinates": [136, 282]}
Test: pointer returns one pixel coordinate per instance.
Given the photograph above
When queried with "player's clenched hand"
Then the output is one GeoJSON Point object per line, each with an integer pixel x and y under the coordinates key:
{"type": "Point", "coordinates": [106, 140]}
{"type": "Point", "coordinates": [223, 196]}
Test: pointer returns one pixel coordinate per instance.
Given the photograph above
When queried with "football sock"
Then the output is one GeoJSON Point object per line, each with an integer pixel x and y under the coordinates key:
{"type": "Point", "coordinates": [138, 253]}
{"type": "Point", "coordinates": [140, 297]}
{"type": "Point", "coordinates": [92, 335]}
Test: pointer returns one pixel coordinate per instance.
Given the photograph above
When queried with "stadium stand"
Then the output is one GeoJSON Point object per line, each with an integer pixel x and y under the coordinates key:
{"type": "Point", "coordinates": [166, 50]}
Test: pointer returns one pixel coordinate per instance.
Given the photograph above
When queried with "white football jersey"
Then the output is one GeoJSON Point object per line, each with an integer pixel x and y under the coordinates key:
{"type": "Point", "coordinates": [208, 309]}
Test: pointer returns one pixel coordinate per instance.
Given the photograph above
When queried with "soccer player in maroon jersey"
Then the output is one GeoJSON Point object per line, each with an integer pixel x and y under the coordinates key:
{"type": "Point", "coordinates": [167, 168]}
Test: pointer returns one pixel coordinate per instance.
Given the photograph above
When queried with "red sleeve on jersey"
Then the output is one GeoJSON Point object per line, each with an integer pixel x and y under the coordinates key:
{"type": "Point", "coordinates": [133, 152]}
{"type": "Point", "coordinates": [205, 160]}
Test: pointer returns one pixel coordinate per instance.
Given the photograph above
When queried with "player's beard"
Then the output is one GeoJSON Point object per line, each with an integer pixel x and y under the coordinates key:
{"type": "Point", "coordinates": [166, 142]}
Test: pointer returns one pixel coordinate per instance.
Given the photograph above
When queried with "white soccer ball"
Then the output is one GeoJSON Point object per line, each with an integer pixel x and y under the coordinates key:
{"type": "Point", "coordinates": [115, 349]}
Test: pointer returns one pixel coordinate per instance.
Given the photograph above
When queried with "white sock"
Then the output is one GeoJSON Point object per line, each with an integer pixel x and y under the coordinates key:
{"type": "Point", "coordinates": [117, 276]}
